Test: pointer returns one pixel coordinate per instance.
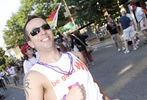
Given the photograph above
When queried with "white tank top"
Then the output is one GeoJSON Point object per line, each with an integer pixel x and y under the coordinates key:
{"type": "Point", "coordinates": [62, 83]}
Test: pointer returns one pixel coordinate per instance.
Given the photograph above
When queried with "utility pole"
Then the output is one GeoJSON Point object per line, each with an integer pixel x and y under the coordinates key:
{"type": "Point", "coordinates": [67, 10]}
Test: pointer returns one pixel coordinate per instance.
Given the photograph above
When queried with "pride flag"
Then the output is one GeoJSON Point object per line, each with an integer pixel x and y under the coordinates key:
{"type": "Point", "coordinates": [52, 20]}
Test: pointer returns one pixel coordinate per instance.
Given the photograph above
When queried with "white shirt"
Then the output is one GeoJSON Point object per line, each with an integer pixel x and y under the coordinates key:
{"type": "Point", "coordinates": [27, 64]}
{"type": "Point", "coordinates": [2, 73]}
{"type": "Point", "coordinates": [12, 71]}
{"type": "Point", "coordinates": [61, 82]}
{"type": "Point", "coordinates": [139, 13]}
{"type": "Point", "coordinates": [129, 15]}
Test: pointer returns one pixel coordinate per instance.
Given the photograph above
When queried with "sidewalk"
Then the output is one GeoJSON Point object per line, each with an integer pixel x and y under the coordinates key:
{"type": "Point", "coordinates": [102, 43]}
{"type": "Point", "coordinates": [109, 41]}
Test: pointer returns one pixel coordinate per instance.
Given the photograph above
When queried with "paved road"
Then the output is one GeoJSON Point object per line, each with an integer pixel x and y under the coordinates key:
{"type": "Point", "coordinates": [122, 75]}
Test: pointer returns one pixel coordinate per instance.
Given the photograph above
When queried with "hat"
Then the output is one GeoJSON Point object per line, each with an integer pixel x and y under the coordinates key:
{"type": "Point", "coordinates": [133, 7]}
{"type": "Point", "coordinates": [24, 48]}
{"type": "Point", "coordinates": [123, 10]}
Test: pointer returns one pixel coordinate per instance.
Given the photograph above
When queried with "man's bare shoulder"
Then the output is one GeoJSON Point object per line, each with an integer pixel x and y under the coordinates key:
{"type": "Point", "coordinates": [33, 77]}
{"type": "Point", "coordinates": [80, 56]}
{"type": "Point", "coordinates": [34, 84]}
{"type": "Point", "coordinates": [33, 74]}
{"type": "Point", "coordinates": [76, 53]}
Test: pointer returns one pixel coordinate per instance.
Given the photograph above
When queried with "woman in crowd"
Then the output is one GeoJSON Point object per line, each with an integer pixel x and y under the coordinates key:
{"type": "Point", "coordinates": [29, 56]}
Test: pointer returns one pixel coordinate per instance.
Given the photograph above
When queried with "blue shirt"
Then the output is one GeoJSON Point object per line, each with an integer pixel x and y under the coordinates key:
{"type": "Point", "coordinates": [125, 22]}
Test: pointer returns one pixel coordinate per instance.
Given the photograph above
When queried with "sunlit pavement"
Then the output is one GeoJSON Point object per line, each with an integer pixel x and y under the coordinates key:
{"type": "Point", "coordinates": [14, 92]}
{"type": "Point", "coordinates": [122, 75]}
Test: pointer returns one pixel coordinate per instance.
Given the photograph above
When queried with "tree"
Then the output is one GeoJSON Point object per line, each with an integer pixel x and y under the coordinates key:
{"type": "Point", "coordinates": [83, 11]}
{"type": "Point", "coordinates": [88, 11]}
{"type": "Point", "coordinates": [2, 54]}
{"type": "Point", "coordinates": [14, 32]}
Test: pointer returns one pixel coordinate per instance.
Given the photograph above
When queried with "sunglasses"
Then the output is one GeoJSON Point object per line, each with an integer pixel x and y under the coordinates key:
{"type": "Point", "coordinates": [36, 30]}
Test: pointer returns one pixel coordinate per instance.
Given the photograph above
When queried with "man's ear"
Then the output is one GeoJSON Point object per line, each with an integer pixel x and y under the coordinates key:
{"type": "Point", "coordinates": [30, 44]}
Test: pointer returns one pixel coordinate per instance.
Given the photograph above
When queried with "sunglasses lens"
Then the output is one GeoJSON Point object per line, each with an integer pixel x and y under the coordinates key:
{"type": "Point", "coordinates": [45, 26]}
{"type": "Point", "coordinates": [35, 31]}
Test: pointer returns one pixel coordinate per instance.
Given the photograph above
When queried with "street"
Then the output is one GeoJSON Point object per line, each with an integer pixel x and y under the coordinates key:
{"type": "Point", "coordinates": [122, 75]}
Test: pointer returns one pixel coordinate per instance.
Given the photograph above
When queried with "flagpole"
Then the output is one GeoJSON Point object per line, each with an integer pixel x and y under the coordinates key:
{"type": "Point", "coordinates": [56, 17]}
{"type": "Point", "coordinates": [67, 10]}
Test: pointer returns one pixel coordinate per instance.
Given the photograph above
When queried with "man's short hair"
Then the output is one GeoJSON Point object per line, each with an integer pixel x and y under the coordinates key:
{"type": "Point", "coordinates": [30, 17]}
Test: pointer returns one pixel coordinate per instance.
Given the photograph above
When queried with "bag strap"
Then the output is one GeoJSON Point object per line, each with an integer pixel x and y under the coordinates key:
{"type": "Point", "coordinates": [78, 39]}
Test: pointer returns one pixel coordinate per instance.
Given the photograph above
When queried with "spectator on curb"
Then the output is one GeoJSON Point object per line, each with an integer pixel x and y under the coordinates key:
{"type": "Point", "coordinates": [112, 30]}
{"type": "Point", "coordinates": [80, 42]}
{"type": "Point", "coordinates": [128, 32]}
{"type": "Point", "coordinates": [12, 72]}
{"type": "Point", "coordinates": [141, 19]}
{"type": "Point", "coordinates": [30, 57]}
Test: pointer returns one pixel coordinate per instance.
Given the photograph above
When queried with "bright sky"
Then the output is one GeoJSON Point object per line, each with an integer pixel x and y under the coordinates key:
{"type": "Point", "coordinates": [7, 8]}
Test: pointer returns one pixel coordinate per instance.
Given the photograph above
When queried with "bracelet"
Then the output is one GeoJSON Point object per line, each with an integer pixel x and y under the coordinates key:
{"type": "Point", "coordinates": [64, 97]}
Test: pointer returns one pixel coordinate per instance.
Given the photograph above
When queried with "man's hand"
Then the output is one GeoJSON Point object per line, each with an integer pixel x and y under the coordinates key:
{"type": "Point", "coordinates": [76, 93]}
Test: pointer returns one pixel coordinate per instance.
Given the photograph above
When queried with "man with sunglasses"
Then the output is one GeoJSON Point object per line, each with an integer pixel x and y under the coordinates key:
{"type": "Point", "coordinates": [57, 75]}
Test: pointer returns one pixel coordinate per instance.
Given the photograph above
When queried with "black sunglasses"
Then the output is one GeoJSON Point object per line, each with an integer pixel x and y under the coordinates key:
{"type": "Point", "coordinates": [37, 29]}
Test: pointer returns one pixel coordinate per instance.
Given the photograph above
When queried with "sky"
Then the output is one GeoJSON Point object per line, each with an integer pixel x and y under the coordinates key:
{"type": "Point", "coordinates": [7, 8]}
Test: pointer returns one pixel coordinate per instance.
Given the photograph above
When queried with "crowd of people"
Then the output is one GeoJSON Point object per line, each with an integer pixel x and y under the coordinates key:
{"type": "Point", "coordinates": [9, 73]}
{"type": "Point", "coordinates": [130, 30]}
{"type": "Point", "coordinates": [54, 65]}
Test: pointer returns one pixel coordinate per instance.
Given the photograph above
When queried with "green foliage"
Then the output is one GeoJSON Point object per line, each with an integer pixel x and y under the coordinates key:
{"type": "Point", "coordinates": [2, 67]}
{"type": "Point", "coordinates": [92, 10]}
{"type": "Point", "coordinates": [9, 61]}
{"type": "Point", "coordinates": [2, 54]}
{"type": "Point", "coordinates": [83, 11]}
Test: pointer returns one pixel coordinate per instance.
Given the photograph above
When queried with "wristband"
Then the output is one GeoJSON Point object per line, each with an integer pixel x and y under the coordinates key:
{"type": "Point", "coordinates": [64, 97]}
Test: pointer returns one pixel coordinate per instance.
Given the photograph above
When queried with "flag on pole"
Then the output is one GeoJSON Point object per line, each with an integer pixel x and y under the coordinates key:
{"type": "Point", "coordinates": [52, 20]}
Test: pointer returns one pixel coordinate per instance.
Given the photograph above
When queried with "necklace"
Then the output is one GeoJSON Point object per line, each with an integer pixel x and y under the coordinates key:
{"type": "Point", "coordinates": [58, 69]}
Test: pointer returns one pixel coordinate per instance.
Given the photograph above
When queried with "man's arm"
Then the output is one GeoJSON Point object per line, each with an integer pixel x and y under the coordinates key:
{"type": "Point", "coordinates": [32, 86]}
{"type": "Point", "coordinates": [109, 33]}
{"type": "Point", "coordinates": [120, 26]}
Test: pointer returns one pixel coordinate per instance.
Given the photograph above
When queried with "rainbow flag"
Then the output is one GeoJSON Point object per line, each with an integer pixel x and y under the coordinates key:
{"type": "Point", "coordinates": [52, 20]}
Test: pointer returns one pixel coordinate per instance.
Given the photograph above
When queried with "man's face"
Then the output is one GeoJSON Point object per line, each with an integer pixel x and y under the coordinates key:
{"type": "Point", "coordinates": [44, 37]}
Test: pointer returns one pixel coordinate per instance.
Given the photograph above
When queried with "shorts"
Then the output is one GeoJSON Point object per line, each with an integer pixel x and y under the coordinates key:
{"type": "Point", "coordinates": [128, 33]}
{"type": "Point", "coordinates": [15, 78]}
{"type": "Point", "coordinates": [116, 37]}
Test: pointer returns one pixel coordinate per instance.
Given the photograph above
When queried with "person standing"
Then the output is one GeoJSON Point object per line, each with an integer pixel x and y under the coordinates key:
{"type": "Point", "coordinates": [128, 32]}
{"type": "Point", "coordinates": [112, 30]}
{"type": "Point", "coordinates": [13, 73]}
{"type": "Point", "coordinates": [2, 84]}
{"type": "Point", "coordinates": [57, 75]}
{"type": "Point", "coordinates": [4, 74]}
{"type": "Point", "coordinates": [80, 41]}
{"type": "Point", "coordinates": [30, 57]}
{"type": "Point", "coordinates": [141, 19]}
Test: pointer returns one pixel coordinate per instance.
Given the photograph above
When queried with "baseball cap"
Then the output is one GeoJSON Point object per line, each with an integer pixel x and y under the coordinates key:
{"type": "Point", "coordinates": [24, 48]}
{"type": "Point", "coordinates": [123, 10]}
{"type": "Point", "coordinates": [133, 7]}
